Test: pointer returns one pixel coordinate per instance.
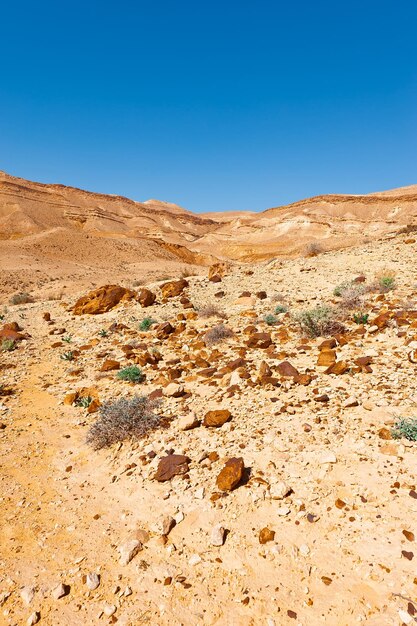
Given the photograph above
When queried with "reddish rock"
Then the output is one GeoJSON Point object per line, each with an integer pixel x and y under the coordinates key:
{"type": "Point", "coordinates": [340, 367]}
{"type": "Point", "coordinates": [326, 357]}
{"type": "Point", "coordinates": [170, 466]}
{"type": "Point", "coordinates": [381, 320]}
{"type": "Point", "coordinates": [266, 535]}
{"type": "Point", "coordinates": [173, 288]}
{"type": "Point", "coordinates": [262, 295]}
{"type": "Point", "coordinates": [164, 329]}
{"type": "Point", "coordinates": [216, 418]}
{"type": "Point", "coordinates": [102, 300]}
{"type": "Point", "coordinates": [217, 271]}
{"type": "Point", "coordinates": [259, 340]}
{"type": "Point", "coordinates": [286, 369]}
{"type": "Point", "coordinates": [231, 474]}
{"type": "Point", "coordinates": [146, 297]}
{"type": "Point", "coordinates": [109, 365]}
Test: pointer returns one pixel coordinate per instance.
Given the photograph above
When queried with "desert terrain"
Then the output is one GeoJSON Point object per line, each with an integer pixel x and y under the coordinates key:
{"type": "Point", "coordinates": [271, 484]}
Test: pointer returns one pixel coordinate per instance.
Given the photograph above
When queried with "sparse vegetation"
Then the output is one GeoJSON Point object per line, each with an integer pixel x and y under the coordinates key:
{"type": "Point", "coordinates": [270, 319]}
{"type": "Point", "coordinates": [405, 427]}
{"type": "Point", "coordinates": [210, 310]}
{"type": "Point", "coordinates": [103, 333]}
{"type": "Point", "coordinates": [8, 345]}
{"type": "Point", "coordinates": [340, 289]}
{"type": "Point", "coordinates": [281, 308]}
{"type": "Point", "coordinates": [67, 339]}
{"type": "Point", "coordinates": [319, 322]}
{"type": "Point", "coordinates": [131, 374]}
{"type": "Point", "coordinates": [361, 318]}
{"type": "Point", "coordinates": [126, 418]}
{"type": "Point", "coordinates": [217, 334]}
{"type": "Point", "coordinates": [313, 249]}
{"type": "Point", "coordinates": [67, 356]}
{"type": "Point", "coordinates": [386, 281]}
{"type": "Point", "coordinates": [146, 323]}
{"type": "Point", "coordinates": [84, 402]}
{"type": "Point", "coordinates": [22, 298]}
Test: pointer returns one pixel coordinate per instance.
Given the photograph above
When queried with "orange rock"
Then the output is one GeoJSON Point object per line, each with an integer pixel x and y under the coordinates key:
{"type": "Point", "coordinates": [109, 365]}
{"type": "Point", "coordinates": [266, 535]}
{"type": "Point", "coordinates": [173, 288]}
{"type": "Point", "coordinates": [326, 357]}
{"type": "Point", "coordinates": [102, 300]}
{"type": "Point", "coordinates": [217, 271]}
{"type": "Point", "coordinates": [231, 474]}
{"type": "Point", "coordinates": [340, 367]}
{"type": "Point", "coordinates": [146, 297]}
{"type": "Point", "coordinates": [216, 418]}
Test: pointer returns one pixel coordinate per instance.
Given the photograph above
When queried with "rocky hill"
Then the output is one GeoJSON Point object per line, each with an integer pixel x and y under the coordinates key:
{"type": "Point", "coordinates": [226, 453]}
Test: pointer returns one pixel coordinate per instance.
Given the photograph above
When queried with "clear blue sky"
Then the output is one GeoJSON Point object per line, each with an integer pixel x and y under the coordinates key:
{"type": "Point", "coordinates": [214, 105]}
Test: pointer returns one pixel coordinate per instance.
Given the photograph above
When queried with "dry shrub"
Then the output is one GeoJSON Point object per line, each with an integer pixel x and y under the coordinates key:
{"type": "Point", "coordinates": [321, 321]}
{"type": "Point", "coordinates": [217, 334]}
{"type": "Point", "coordinates": [211, 310]}
{"type": "Point", "coordinates": [126, 418]}
{"type": "Point", "coordinates": [313, 249]}
{"type": "Point", "coordinates": [22, 298]}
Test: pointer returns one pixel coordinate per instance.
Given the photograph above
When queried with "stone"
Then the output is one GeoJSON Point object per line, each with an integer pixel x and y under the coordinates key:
{"type": "Point", "coordinates": [286, 369]}
{"type": "Point", "coordinates": [170, 466]}
{"type": "Point", "coordinates": [259, 340]}
{"type": "Point", "coordinates": [279, 490]}
{"type": "Point", "coordinates": [217, 535]}
{"type": "Point", "coordinates": [92, 581]}
{"type": "Point", "coordinates": [231, 474]}
{"type": "Point", "coordinates": [338, 368]}
{"type": "Point", "coordinates": [174, 390]}
{"type": "Point", "coordinates": [110, 365]}
{"type": "Point", "coordinates": [33, 618]}
{"type": "Point", "coordinates": [188, 421]}
{"type": "Point", "coordinates": [27, 594]}
{"type": "Point", "coordinates": [173, 288]}
{"type": "Point", "coordinates": [195, 559]}
{"type": "Point", "coordinates": [60, 591]}
{"type": "Point", "coordinates": [102, 300]}
{"type": "Point", "coordinates": [146, 297]}
{"type": "Point", "coordinates": [326, 358]}
{"type": "Point", "coordinates": [163, 330]}
{"type": "Point", "coordinates": [217, 271]}
{"type": "Point", "coordinates": [351, 401]}
{"type": "Point", "coordinates": [216, 418]}
{"type": "Point", "coordinates": [282, 511]}
{"type": "Point", "coordinates": [266, 535]}
{"type": "Point", "coordinates": [129, 550]}
{"type": "Point", "coordinates": [109, 609]}
{"type": "Point", "coordinates": [328, 457]}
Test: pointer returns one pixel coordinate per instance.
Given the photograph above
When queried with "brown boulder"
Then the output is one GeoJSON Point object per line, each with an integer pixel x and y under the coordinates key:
{"type": "Point", "coordinates": [216, 418]}
{"type": "Point", "coordinates": [170, 466]}
{"type": "Point", "coordinates": [146, 297]}
{"type": "Point", "coordinates": [173, 288]}
{"type": "Point", "coordinates": [338, 368]}
{"type": "Point", "coordinates": [109, 365]}
{"type": "Point", "coordinates": [231, 474]}
{"type": "Point", "coordinates": [102, 300]}
{"type": "Point", "coordinates": [266, 535]}
{"type": "Point", "coordinates": [259, 340]}
{"type": "Point", "coordinates": [217, 271]}
{"type": "Point", "coordinates": [286, 369]}
{"type": "Point", "coordinates": [326, 357]}
{"type": "Point", "coordinates": [164, 329]}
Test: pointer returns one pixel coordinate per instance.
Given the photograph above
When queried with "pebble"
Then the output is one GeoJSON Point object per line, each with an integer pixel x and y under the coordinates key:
{"type": "Point", "coordinates": [218, 535]}
{"type": "Point", "coordinates": [27, 594]}
{"type": "Point", "coordinates": [33, 618]}
{"type": "Point", "coordinates": [60, 591]}
{"type": "Point", "coordinates": [93, 581]}
{"type": "Point", "coordinates": [128, 550]}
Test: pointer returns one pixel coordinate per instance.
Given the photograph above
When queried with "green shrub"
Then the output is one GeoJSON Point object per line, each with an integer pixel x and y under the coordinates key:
{"type": "Point", "coordinates": [405, 427]}
{"type": "Point", "coordinates": [67, 356]}
{"type": "Point", "coordinates": [132, 374]}
{"type": "Point", "coordinates": [280, 309]}
{"type": "Point", "coordinates": [103, 333]}
{"type": "Point", "coordinates": [126, 418]}
{"type": "Point", "coordinates": [270, 319]}
{"type": "Point", "coordinates": [319, 322]}
{"type": "Point", "coordinates": [386, 283]}
{"type": "Point", "coordinates": [84, 401]}
{"type": "Point", "coordinates": [67, 339]}
{"type": "Point", "coordinates": [146, 323]}
{"type": "Point", "coordinates": [361, 318]}
{"type": "Point", "coordinates": [8, 345]}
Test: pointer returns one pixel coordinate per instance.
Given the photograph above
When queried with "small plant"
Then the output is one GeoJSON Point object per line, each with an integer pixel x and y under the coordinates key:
{"type": "Point", "coordinates": [67, 339]}
{"type": "Point", "coordinates": [280, 309]}
{"type": "Point", "coordinates": [210, 310]}
{"type": "Point", "coordinates": [319, 322]}
{"type": "Point", "coordinates": [270, 319]}
{"type": "Point", "coordinates": [67, 356]}
{"type": "Point", "coordinates": [313, 249]}
{"type": "Point", "coordinates": [146, 323]}
{"type": "Point", "coordinates": [8, 345]}
{"type": "Point", "coordinates": [131, 374]}
{"type": "Point", "coordinates": [126, 418]}
{"type": "Point", "coordinates": [84, 401]}
{"type": "Point", "coordinates": [21, 298]}
{"type": "Point", "coordinates": [405, 427]}
{"type": "Point", "coordinates": [217, 334]}
{"type": "Point", "coordinates": [360, 318]}
{"type": "Point", "coordinates": [338, 291]}
{"type": "Point", "coordinates": [103, 333]}
{"type": "Point", "coordinates": [2, 316]}
{"type": "Point", "coordinates": [386, 283]}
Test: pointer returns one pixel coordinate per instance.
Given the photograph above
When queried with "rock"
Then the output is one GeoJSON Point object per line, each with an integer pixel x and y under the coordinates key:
{"type": "Point", "coordinates": [195, 559]}
{"type": "Point", "coordinates": [231, 474]}
{"type": "Point", "coordinates": [102, 300]}
{"type": "Point", "coordinates": [217, 271]}
{"type": "Point", "coordinates": [259, 340]}
{"type": "Point", "coordinates": [60, 591]}
{"type": "Point", "coordinates": [278, 491]}
{"type": "Point", "coordinates": [109, 365]}
{"type": "Point", "coordinates": [109, 609]}
{"type": "Point", "coordinates": [261, 295]}
{"type": "Point", "coordinates": [282, 511]}
{"type": "Point", "coordinates": [174, 390]}
{"type": "Point", "coordinates": [286, 369]}
{"type": "Point", "coordinates": [92, 581]}
{"type": "Point", "coordinates": [163, 330]}
{"type": "Point", "coordinates": [188, 421]}
{"type": "Point", "coordinates": [384, 433]}
{"type": "Point", "coordinates": [170, 466]}
{"type": "Point", "coordinates": [218, 535]}
{"type": "Point", "coordinates": [216, 418]}
{"type": "Point", "coordinates": [173, 288]}
{"type": "Point", "coordinates": [33, 618]}
{"type": "Point", "coordinates": [328, 457]}
{"type": "Point", "coordinates": [27, 594]}
{"type": "Point", "coordinates": [326, 358]}
{"type": "Point", "coordinates": [350, 402]}
{"type": "Point", "coordinates": [146, 297]}
{"type": "Point", "coordinates": [167, 523]}
{"type": "Point", "coordinates": [128, 550]}
{"type": "Point", "coordinates": [266, 535]}
{"type": "Point", "coordinates": [338, 368]}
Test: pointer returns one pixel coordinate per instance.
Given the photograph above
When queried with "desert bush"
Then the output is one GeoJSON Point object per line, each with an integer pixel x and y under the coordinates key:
{"type": "Point", "coordinates": [352, 298]}
{"type": "Point", "coordinates": [313, 249]}
{"type": "Point", "coordinates": [340, 289]}
{"type": "Point", "coordinates": [103, 333]}
{"type": "Point", "coordinates": [405, 428]}
{"type": "Point", "coordinates": [123, 419]}
{"type": "Point", "coordinates": [210, 310]}
{"type": "Point", "coordinates": [217, 334]}
{"type": "Point", "coordinates": [84, 401]}
{"type": "Point", "coordinates": [131, 374]}
{"type": "Point", "coordinates": [146, 323]}
{"type": "Point", "coordinates": [360, 318]}
{"type": "Point", "coordinates": [67, 339]}
{"type": "Point", "coordinates": [386, 281]}
{"type": "Point", "coordinates": [8, 345]}
{"type": "Point", "coordinates": [22, 298]}
{"type": "Point", "coordinates": [319, 322]}
{"type": "Point", "coordinates": [281, 308]}
{"type": "Point", "coordinates": [270, 319]}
